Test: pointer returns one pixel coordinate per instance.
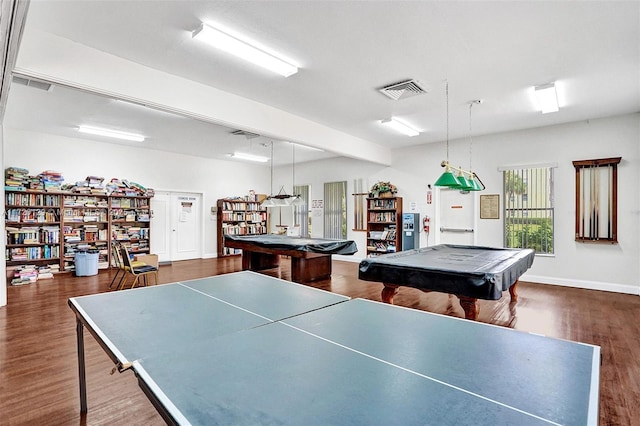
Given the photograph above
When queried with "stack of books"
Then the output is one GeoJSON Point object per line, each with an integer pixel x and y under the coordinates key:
{"type": "Point", "coordinates": [122, 187]}
{"type": "Point", "coordinates": [51, 180]}
{"type": "Point", "coordinates": [16, 178]}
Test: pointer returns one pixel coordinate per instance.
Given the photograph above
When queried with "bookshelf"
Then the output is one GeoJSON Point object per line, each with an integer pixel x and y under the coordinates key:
{"type": "Point", "coordinates": [130, 222]}
{"type": "Point", "coordinates": [32, 225]}
{"type": "Point", "coordinates": [85, 226]}
{"type": "Point", "coordinates": [239, 217]}
{"type": "Point", "coordinates": [384, 225]}
{"type": "Point", "coordinates": [44, 229]}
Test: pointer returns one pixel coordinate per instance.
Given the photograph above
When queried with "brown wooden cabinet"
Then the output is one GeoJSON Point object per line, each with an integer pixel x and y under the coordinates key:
{"type": "Point", "coordinates": [384, 223]}
{"type": "Point", "coordinates": [239, 217]}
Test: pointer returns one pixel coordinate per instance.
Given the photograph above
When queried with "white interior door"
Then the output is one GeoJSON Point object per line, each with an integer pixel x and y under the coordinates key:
{"type": "Point", "coordinates": [161, 226]}
{"type": "Point", "coordinates": [456, 217]}
{"type": "Point", "coordinates": [187, 227]}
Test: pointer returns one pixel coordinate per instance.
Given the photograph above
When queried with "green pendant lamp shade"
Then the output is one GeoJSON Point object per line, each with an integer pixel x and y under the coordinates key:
{"type": "Point", "coordinates": [465, 185]}
{"type": "Point", "coordinates": [475, 186]}
{"type": "Point", "coordinates": [448, 179]}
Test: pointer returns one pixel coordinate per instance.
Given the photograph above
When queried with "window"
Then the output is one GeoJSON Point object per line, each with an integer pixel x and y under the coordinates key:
{"type": "Point", "coordinates": [335, 210]}
{"type": "Point", "coordinates": [528, 210]}
{"type": "Point", "coordinates": [302, 214]}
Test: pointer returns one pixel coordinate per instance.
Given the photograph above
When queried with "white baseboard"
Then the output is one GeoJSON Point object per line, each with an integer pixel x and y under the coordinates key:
{"type": "Point", "coordinates": [589, 285]}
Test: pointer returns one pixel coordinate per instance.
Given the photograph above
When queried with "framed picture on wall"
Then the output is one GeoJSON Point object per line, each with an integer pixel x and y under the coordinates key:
{"type": "Point", "coordinates": [490, 206]}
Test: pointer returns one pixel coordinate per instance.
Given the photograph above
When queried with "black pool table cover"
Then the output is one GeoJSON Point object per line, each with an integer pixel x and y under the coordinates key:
{"type": "Point", "coordinates": [473, 271]}
{"type": "Point", "coordinates": [283, 242]}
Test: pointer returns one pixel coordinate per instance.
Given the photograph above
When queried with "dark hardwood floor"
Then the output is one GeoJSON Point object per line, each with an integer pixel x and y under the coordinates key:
{"type": "Point", "coordinates": [38, 361]}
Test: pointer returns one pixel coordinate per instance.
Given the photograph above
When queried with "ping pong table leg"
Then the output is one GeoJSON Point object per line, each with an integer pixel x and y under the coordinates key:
{"type": "Point", "coordinates": [81, 366]}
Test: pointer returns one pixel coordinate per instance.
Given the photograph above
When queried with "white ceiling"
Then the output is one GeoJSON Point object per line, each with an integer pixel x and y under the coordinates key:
{"type": "Point", "coordinates": [494, 51]}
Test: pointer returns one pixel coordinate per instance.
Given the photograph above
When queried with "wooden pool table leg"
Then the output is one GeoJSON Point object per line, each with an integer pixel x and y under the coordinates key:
{"type": "Point", "coordinates": [470, 306]}
{"type": "Point", "coordinates": [388, 292]}
{"type": "Point", "coordinates": [513, 291]}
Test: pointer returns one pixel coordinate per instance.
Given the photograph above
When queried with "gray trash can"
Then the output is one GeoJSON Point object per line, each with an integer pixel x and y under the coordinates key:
{"type": "Point", "coordinates": [86, 263]}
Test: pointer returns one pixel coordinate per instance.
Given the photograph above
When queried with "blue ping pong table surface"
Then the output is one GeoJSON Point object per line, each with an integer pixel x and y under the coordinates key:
{"type": "Point", "coordinates": [246, 348]}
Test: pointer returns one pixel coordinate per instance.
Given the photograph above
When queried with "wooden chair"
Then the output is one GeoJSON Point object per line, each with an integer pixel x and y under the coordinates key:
{"type": "Point", "coordinates": [136, 269]}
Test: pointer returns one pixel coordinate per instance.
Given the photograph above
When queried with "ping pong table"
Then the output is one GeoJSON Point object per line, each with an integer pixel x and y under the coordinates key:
{"type": "Point", "coordinates": [310, 257]}
{"type": "Point", "coordinates": [469, 272]}
{"type": "Point", "coordinates": [246, 348]}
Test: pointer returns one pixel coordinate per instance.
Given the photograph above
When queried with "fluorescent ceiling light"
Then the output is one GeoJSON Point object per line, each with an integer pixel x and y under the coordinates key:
{"type": "Point", "coordinates": [242, 49]}
{"type": "Point", "coordinates": [111, 133]}
{"type": "Point", "coordinates": [249, 157]}
{"type": "Point", "coordinates": [547, 98]}
{"type": "Point", "coordinates": [400, 126]}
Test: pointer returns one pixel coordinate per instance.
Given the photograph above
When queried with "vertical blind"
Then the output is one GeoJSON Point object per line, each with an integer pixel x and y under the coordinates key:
{"type": "Point", "coordinates": [529, 208]}
{"type": "Point", "coordinates": [301, 213]}
{"type": "Point", "coordinates": [335, 210]}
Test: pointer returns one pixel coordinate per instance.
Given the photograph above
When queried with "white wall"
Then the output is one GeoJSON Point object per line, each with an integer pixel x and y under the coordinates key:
{"type": "Point", "coordinates": [78, 158]}
{"type": "Point", "coordinates": [596, 266]}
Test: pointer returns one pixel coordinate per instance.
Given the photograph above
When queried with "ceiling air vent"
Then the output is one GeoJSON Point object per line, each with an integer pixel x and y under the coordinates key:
{"type": "Point", "coordinates": [402, 90]}
{"type": "Point", "coordinates": [32, 83]}
{"type": "Point", "coordinates": [244, 133]}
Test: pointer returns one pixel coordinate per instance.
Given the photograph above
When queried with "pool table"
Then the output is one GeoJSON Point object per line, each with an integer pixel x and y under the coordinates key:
{"type": "Point", "coordinates": [469, 272]}
{"type": "Point", "coordinates": [310, 257]}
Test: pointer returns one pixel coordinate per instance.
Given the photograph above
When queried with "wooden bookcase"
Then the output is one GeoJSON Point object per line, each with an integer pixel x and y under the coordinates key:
{"type": "Point", "coordinates": [85, 225]}
{"type": "Point", "coordinates": [45, 228]}
{"type": "Point", "coordinates": [384, 225]}
{"type": "Point", "coordinates": [32, 224]}
{"type": "Point", "coordinates": [130, 219]}
{"type": "Point", "coordinates": [239, 217]}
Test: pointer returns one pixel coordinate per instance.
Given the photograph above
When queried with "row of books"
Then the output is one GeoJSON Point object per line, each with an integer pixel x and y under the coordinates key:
{"type": "Point", "coordinates": [382, 246]}
{"type": "Point", "coordinates": [27, 274]}
{"type": "Point", "coordinates": [244, 216]}
{"type": "Point", "coordinates": [85, 201]}
{"type": "Point", "coordinates": [243, 229]}
{"type": "Point", "coordinates": [229, 251]}
{"type": "Point", "coordinates": [32, 253]}
{"type": "Point", "coordinates": [125, 233]}
{"type": "Point", "coordinates": [32, 215]}
{"type": "Point", "coordinates": [383, 204]}
{"type": "Point", "coordinates": [129, 203]}
{"type": "Point", "coordinates": [85, 233]}
{"type": "Point", "coordinates": [84, 215]}
{"type": "Point", "coordinates": [131, 215]}
{"type": "Point", "coordinates": [33, 235]}
{"type": "Point", "coordinates": [136, 246]}
{"type": "Point", "coordinates": [30, 200]}
{"type": "Point", "coordinates": [382, 216]}
{"type": "Point", "coordinates": [231, 205]}
{"type": "Point", "coordinates": [387, 234]}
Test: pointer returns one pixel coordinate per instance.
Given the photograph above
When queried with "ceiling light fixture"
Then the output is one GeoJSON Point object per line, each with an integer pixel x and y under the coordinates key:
{"type": "Point", "coordinates": [249, 157]}
{"type": "Point", "coordinates": [111, 133]}
{"type": "Point", "coordinates": [243, 49]}
{"type": "Point", "coordinates": [400, 126]}
{"type": "Point", "coordinates": [465, 180]}
{"type": "Point", "coordinates": [547, 98]}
